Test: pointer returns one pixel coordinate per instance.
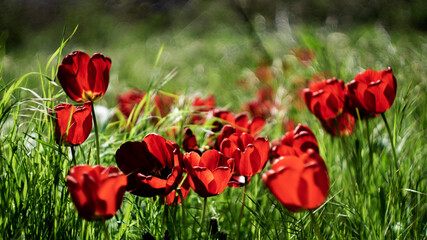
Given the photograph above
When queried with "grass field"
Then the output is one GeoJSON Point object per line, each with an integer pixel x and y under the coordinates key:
{"type": "Point", "coordinates": [372, 196]}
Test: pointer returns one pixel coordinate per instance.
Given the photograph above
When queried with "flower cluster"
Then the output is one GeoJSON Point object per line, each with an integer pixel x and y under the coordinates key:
{"type": "Point", "coordinates": [337, 105]}
{"type": "Point", "coordinates": [233, 149]}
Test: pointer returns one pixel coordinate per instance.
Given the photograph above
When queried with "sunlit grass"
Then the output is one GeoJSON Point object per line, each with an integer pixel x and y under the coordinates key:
{"type": "Point", "coordinates": [364, 201]}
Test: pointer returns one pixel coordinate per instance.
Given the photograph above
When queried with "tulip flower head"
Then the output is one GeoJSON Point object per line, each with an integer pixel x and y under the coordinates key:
{"type": "Point", "coordinates": [200, 106]}
{"type": "Point", "coordinates": [296, 142]}
{"type": "Point", "coordinates": [72, 125]}
{"type": "Point", "coordinates": [97, 192]}
{"type": "Point", "coordinates": [250, 154]}
{"type": "Point", "coordinates": [373, 92]}
{"type": "Point", "coordinates": [208, 174]}
{"type": "Point", "coordinates": [325, 99]}
{"type": "Point", "coordinates": [152, 165]}
{"type": "Point", "coordinates": [299, 182]}
{"type": "Point", "coordinates": [84, 78]}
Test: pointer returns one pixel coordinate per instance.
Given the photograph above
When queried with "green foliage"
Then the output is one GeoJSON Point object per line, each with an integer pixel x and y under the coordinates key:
{"type": "Point", "coordinates": [370, 198]}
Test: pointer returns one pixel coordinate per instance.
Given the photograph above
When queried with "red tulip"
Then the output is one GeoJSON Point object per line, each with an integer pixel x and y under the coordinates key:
{"type": "Point", "coordinates": [342, 125]}
{"type": "Point", "coordinates": [240, 122]}
{"type": "Point", "coordinates": [210, 173]}
{"type": "Point", "coordinates": [190, 142]}
{"type": "Point", "coordinates": [84, 78]}
{"type": "Point", "coordinates": [296, 142]}
{"type": "Point", "coordinates": [325, 99]}
{"type": "Point", "coordinates": [127, 101]}
{"type": "Point", "coordinates": [97, 192]}
{"type": "Point", "coordinates": [200, 106]}
{"type": "Point", "coordinates": [299, 182]}
{"type": "Point", "coordinates": [152, 165]}
{"type": "Point", "coordinates": [372, 91]}
{"type": "Point", "coordinates": [250, 155]}
{"type": "Point", "coordinates": [73, 125]}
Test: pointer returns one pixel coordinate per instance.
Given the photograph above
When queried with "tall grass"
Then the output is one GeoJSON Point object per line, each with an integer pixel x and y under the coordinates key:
{"type": "Point", "coordinates": [367, 199]}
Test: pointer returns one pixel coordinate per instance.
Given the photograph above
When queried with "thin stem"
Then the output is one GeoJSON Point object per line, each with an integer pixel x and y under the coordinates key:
{"type": "Point", "coordinates": [203, 215]}
{"type": "Point", "coordinates": [241, 211]}
{"type": "Point", "coordinates": [393, 149]}
{"type": "Point", "coordinates": [73, 154]}
{"type": "Point", "coordinates": [316, 227]}
{"type": "Point", "coordinates": [98, 161]}
{"type": "Point", "coordinates": [107, 235]}
{"type": "Point", "coordinates": [182, 207]}
{"type": "Point", "coordinates": [390, 136]}
{"type": "Point", "coordinates": [371, 157]}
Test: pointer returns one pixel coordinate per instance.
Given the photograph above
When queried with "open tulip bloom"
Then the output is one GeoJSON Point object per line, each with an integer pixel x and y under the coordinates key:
{"type": "Point", "coordinates": [84, 78]}
{"type": "Point", "coordinates": [373, 92]}
{"type": "Point", "coordinates": [250, 154]}
{"type": "Point", "coordinates": [152, 165]}
{"type": "Point", "coordinates": [72, 125]}
{"type": "Point", "coordinates": [298, 182]}
{"type": "Point", "coordinates": [209, 174]}
{"type": "Point", "coordinates": [97, 192]}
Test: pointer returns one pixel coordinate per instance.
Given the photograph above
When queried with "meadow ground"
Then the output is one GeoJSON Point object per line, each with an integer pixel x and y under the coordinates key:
{"type": "Point", "coordinates": [373, 194]}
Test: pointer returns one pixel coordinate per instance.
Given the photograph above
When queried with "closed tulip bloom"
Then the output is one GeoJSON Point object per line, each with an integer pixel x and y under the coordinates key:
{"type": "Point", "coordinates": [152, 165]}
{"type": "Point", "coordinates": [84, 78]}
{"type": "Point", "coordinates": [325, 99]}
{"type": "Point", "coordinates": [208, 174]}
{"type": "Point", "coordinates": [97, 192]}
{"type": "Point", "coordinates": [298, 182]}
{"type": "Point", "coordinates": [372, 91]}
{"type": "Point", "coordinates": [72, 125]}
{"type": "Point", "coordinates": [296, 142]}
{"type": "Point", "coordinates": [250, 154]}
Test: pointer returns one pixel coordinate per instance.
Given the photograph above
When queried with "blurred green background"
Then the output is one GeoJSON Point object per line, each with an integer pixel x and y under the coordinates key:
{"type": "Point", "coordinates": [211, 44]}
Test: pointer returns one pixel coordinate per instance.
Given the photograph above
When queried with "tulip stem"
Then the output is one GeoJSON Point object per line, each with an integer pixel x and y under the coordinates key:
{"type": "Point", "coordinates": [241, 211]}
{"type": "Point", "coordinates": [96, 135]}
{"type": "Point", "coordinates": [107, 235]}
{"type": "Point", "coordinates": [203, 215]}
{"type": "Point", "coordinates": [393, 149]}
{"type": "Point", "coordinates": [316, 227]}
{"type": "Point", "coordinates": [371, 157]}
{"type": "Point", "coordinates": [73, 154]}
{"type": "Point", "coordinates": [182, 207]}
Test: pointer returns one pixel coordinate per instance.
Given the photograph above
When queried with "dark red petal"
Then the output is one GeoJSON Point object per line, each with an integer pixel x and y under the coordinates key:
{"type": "Point", "coordinates": [242, 124]}
{"type": "Point", "coordinates": [256, 126]}
{"type": "Point", "coordinates": [98, 75]}
{"type": "Point", "coordinates": [82, 118]}
{"type": "Point", "coordinates": [189, 143]}
{"type": "Point", "coordinates": [72, 75]}
{"type": "Point", "coordinates": [156, 146]}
